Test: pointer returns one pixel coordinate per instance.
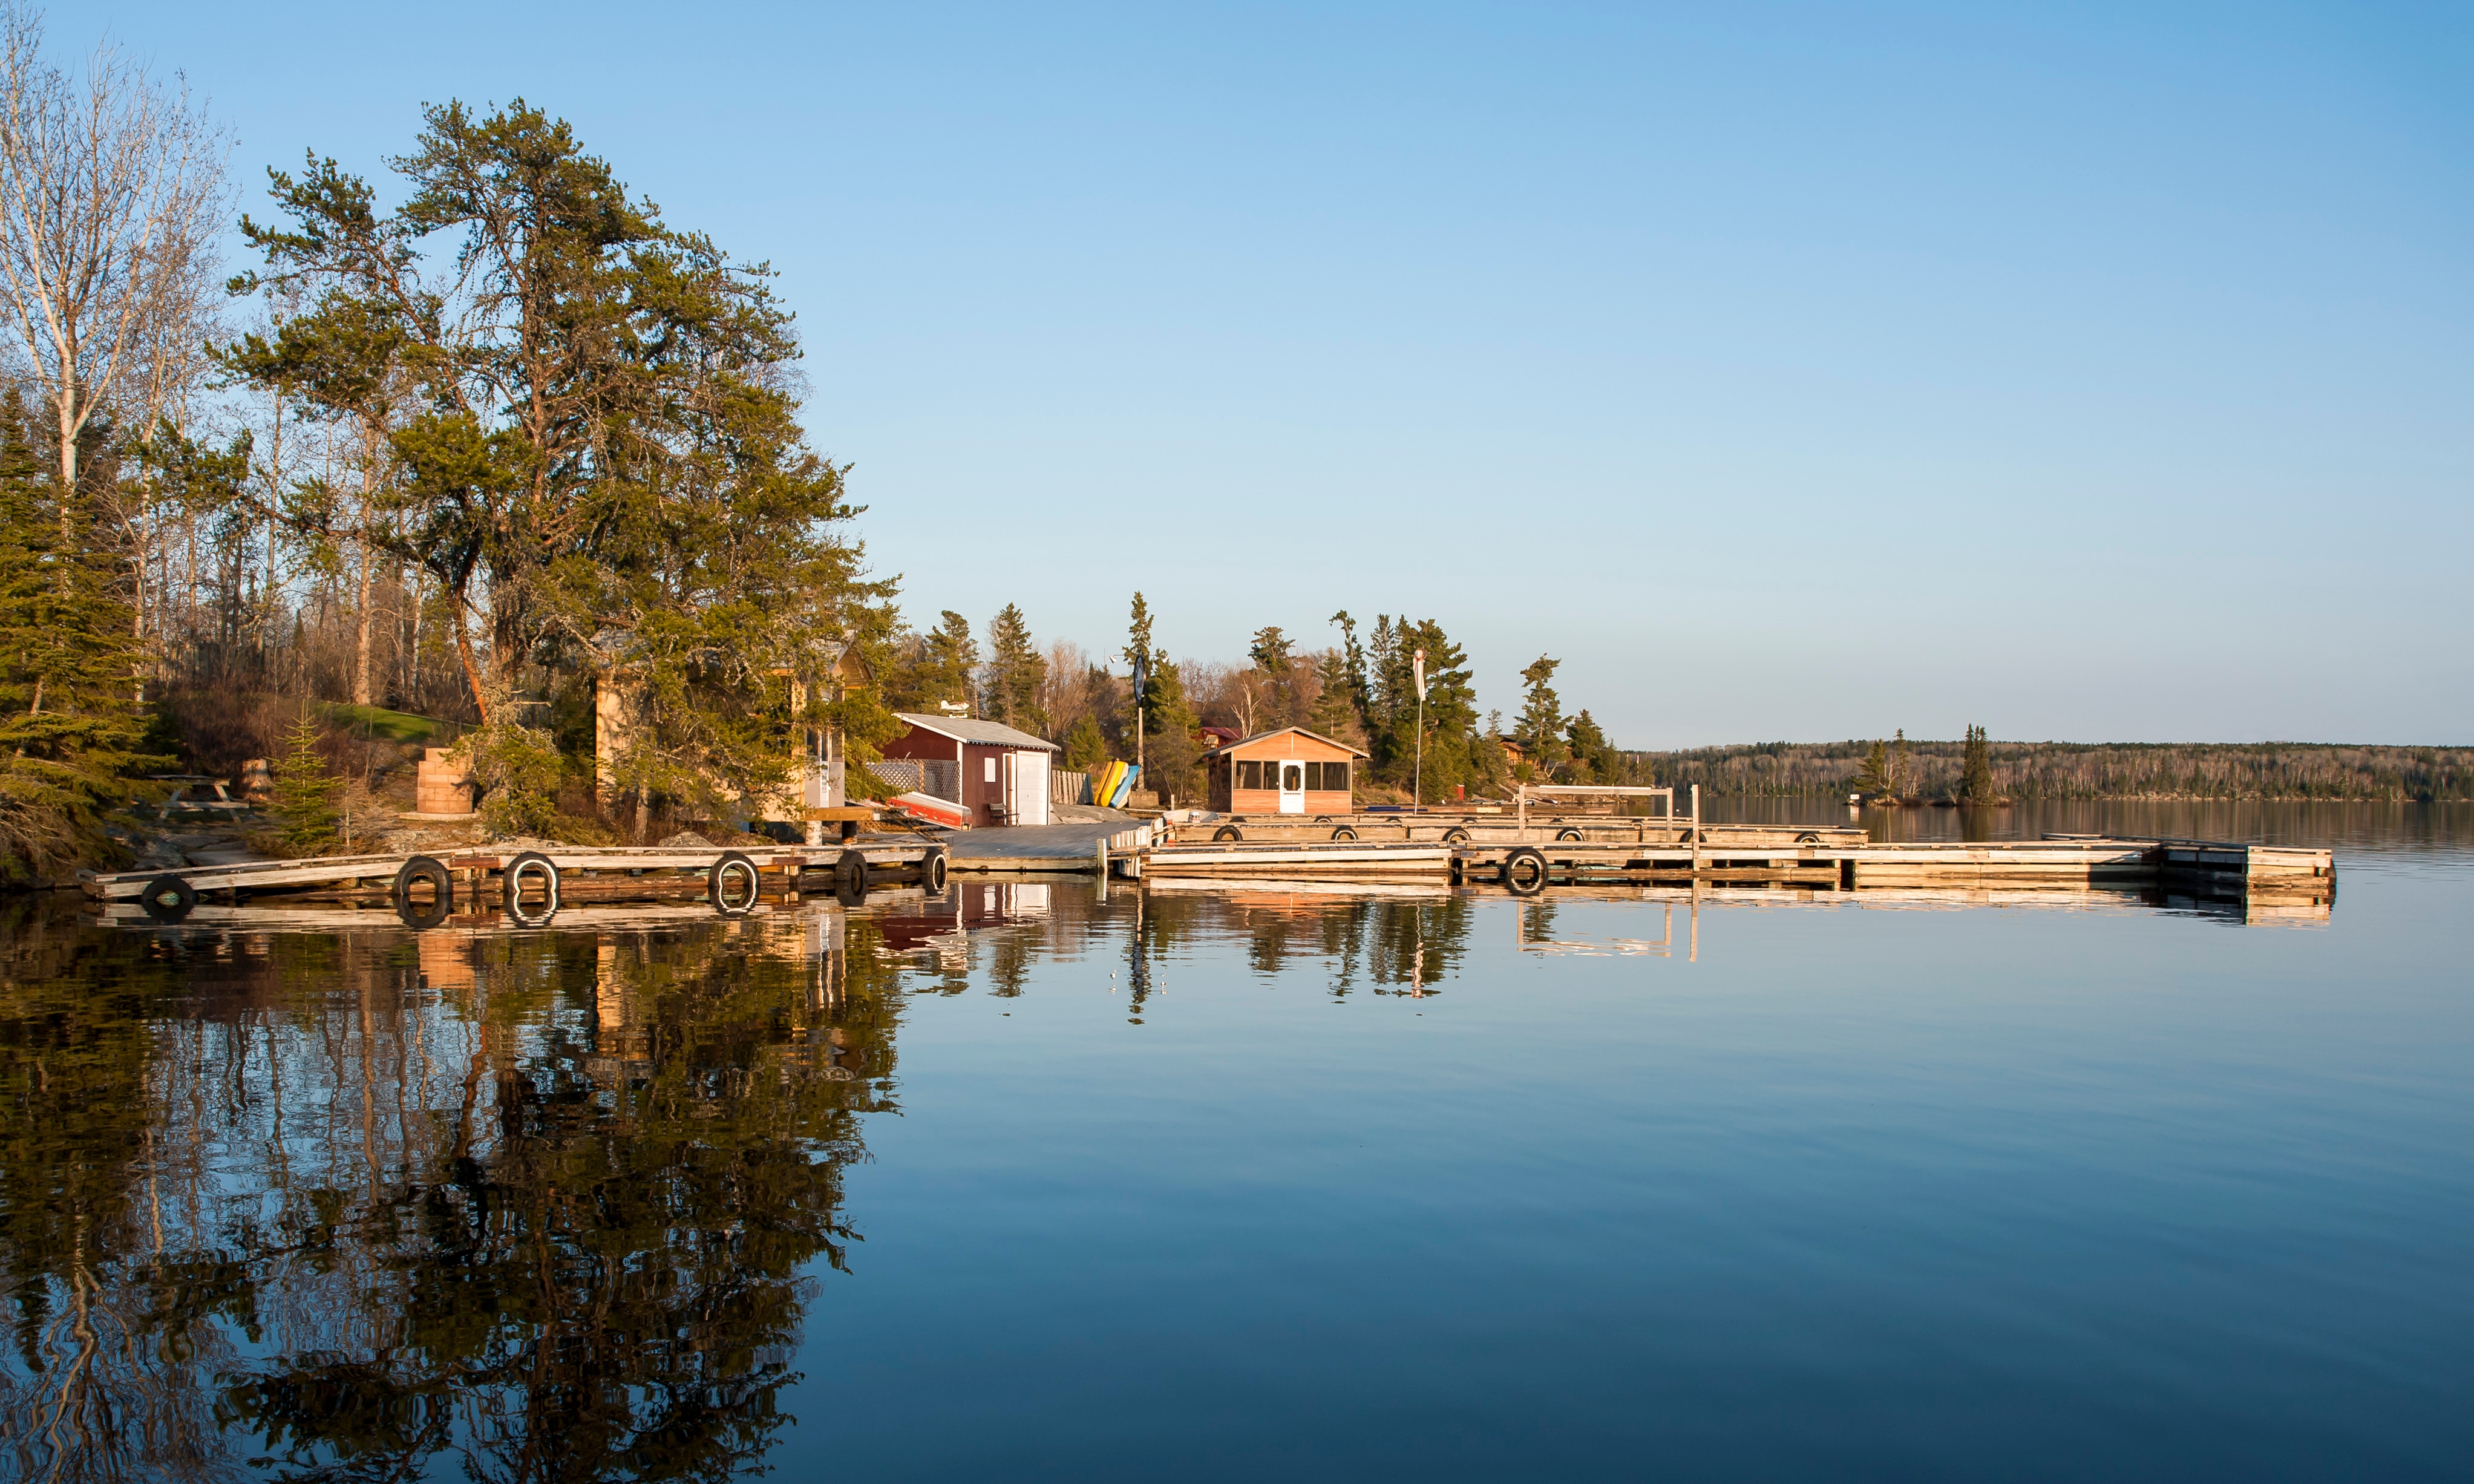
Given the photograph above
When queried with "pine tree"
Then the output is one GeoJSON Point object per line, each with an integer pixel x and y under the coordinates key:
{"type": "Point", "coordinates": [1354, 668]}
{"type": "Point", "coordinates": [302, 815]}
{"type": "Point", "coordinates": [1169, 746]}
{"type": "Point", "coordinates": [600, 449]}
{"type": "Point", "coordinates": [1450, 707]}
{"type": "Point", "coordinates": [1976, 774]}
{"type": "Point", "coordinates": [69, 724]}
{"type": "Point", "coordinates": [1269, 654]}
{"type": "Point", "coordinates": [1334, 713]}
{"type": "Point", "coordinates": [1016, 672]}
{"type": "Point", "coordinates": [1539, 729]}
{"type": "Point", "coordinates": [1594, 759]}
{"type": "Point", "coordinates": [1087, 751]}
{"type": "Point", "coordinates": [949, 658]}
{"type": "Point", "coordinates": [1903, 764]}
{"type": "Point", "coordinates": [1874, 777]}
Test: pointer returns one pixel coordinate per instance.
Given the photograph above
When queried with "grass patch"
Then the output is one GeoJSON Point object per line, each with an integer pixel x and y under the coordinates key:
{"type": "Point", "coordinates": [395, 726]}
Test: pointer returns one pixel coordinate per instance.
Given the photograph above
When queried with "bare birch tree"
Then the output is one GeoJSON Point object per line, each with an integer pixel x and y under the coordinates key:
{"type": "Point", "coordinates": [112, 190]}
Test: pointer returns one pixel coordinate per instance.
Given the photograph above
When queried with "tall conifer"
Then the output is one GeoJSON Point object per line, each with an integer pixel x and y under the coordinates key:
{"type": "Point", "coordinates": [69, 722]}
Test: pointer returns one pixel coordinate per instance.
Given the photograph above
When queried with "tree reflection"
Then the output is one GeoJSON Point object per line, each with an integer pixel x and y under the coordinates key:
{"type": "Point", "coordinates": [537, 1207]}
{"type": "Point", "coordinates": [522, 1206]}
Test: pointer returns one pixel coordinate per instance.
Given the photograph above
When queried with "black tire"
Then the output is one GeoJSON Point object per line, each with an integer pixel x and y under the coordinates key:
{"type": "Point", "coordinates": [168, 898]}
{"type": "Point", "coordinates": [933, 873]}
{"type": "Point", "coordinates": [1522, 870]}
{"type": "Point", "coordinates": [441, 892]}
{"type": "Point", "coordinates": [1344, 832]}
{"type": "Point", "coordinates": [511, 880]}
{"type": "Point", "coordinates": [1227, 832]}
{"type": "Point", "coordinates": [1568, 833]}
{"type": "Point", "coordinates": [1323, 818]}
{"type": "Point", "coordinates": [1808, 838]}
{"type": "Point", "coordinates": [850, 874]}
{"type": "Point", "coordinates": [729, 868]}
{"type": "Point", "coordinates": [1456, 836]}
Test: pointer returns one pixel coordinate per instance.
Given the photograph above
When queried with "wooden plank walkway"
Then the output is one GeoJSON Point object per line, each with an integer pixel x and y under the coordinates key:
{"type": "Point", "coordinates": [733, 879]}
{"type": "Point", "coordinates": [1496, 829]}
{"type": "Point", "coordinates": [1856, 866]}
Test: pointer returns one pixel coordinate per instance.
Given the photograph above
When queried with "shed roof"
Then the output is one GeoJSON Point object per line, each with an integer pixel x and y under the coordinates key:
{"type": "Point", "coordinates": [1283, 730]}
{"type": "Point", "coordinates": [969, 729]}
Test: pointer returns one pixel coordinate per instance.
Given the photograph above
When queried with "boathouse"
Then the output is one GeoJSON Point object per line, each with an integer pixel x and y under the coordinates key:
{"type": "Point", "coordinates": [1289, 771]}
{"type": "Point", "coordinates": [998, 774]}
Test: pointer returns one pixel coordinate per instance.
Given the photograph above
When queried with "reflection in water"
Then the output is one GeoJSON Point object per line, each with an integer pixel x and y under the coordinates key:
{"type": "Point", "coordinates": [546, 1206]}
{"type": "Point", "coordinates": [365, 1204]}
{"type": "Point", "coordinates": [345, 1204]}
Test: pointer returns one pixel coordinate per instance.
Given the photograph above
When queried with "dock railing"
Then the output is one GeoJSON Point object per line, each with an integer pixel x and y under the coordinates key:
{"type": "Point", "coordinates": [1545, 790]}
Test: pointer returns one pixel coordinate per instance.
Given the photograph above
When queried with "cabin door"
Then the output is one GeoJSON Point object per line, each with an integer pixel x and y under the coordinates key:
{"type": "Point", "coordinates": [1293, 788]}
{"type": "Point", "coordinates": [1027, 788]}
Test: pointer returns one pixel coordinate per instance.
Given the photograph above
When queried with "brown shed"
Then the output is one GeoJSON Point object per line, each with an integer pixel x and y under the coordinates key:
{"type": "Point", "coordinates": [998, 774]}
{"type": "Point", "coordinates": [1289, 771]}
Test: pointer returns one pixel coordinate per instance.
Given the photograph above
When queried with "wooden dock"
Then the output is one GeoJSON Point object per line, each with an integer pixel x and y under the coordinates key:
{"type": "Point", "coordinates": [1525, 867]}
{"type": "Point", "coordinates": [1449, 829]}
{"type": "Point", "coordinates": [532, 885]}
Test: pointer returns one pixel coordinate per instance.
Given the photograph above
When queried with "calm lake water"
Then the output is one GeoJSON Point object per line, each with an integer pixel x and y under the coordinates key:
{"type": "Point", "coordinates": [1034, 1180]}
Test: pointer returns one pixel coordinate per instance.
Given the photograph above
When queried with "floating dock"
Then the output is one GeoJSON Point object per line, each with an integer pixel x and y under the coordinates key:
{"type": "Point", "coordinates": [1526, 869]}
{"type": "Point", "coordinates": [1449, 829]}
{"type": "Point", "coordinates": [532, 885]}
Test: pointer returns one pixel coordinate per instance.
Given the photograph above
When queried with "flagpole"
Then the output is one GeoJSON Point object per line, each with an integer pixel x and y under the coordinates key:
{"type": "Point", "coordinates": [1418, 773]}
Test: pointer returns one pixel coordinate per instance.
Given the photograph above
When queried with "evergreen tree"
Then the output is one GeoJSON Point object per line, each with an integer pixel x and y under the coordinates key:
{"type": "Point", "coordinates": [1087, 751]}
{"type": "Point", "coordinates": [69, 722]}
{"type": "Point", "coordinates": [1539, 726]}
{"type": "Point", "coordinates": [1450, 707]}
{"type": "Point", "coordinates": [1976, 774]}
{"type": "Point", "coordinates": [600, 454]}
{"type": "Point", "coordinates": [303, 817]}
{"type": "Point", "coordinates": [1269, 654]}
{"type": "Point", "coordinates": [1143, 694]}
{"type": "Point", "coordinates": [949, 659]}
{"type": "Point", "coordinates": [1594, 759]}
{"type": "Point", "coordinates": [1354, 664]}
{"type": "Point", "coordinates": [1016, 673]}
{"type": "Point", "coordinates": [1169, 748]}
{"type": "Point", "coordinates": [1874, 777]}
{"type": "Point", "coordinates": [1387, 682]}
{"type": "Point", "coordinates": [1334, 713]}
{"type": "Point", "coordinates": [1903, 766]}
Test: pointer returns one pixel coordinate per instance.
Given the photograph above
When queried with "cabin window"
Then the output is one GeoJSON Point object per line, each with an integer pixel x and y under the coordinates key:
{"type": "Point", "coordinates": [992, 769]}
{"type": "Point", "coordinates": [1250, 773]}
{"type": "Point", "coordinates": [1327, 777]}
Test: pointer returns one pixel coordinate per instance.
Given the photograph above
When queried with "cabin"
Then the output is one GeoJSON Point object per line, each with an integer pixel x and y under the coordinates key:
{"type": "Point", "coordinates": [1289, 771]}
{"type": "Point", "coordinates": [998, 774]}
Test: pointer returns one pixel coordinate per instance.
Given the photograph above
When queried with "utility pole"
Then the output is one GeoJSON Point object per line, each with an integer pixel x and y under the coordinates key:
{"type": "Point", "coordinates": [1418, 770]}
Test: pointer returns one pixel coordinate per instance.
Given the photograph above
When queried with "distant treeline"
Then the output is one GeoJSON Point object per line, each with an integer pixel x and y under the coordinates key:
{"type": "Point", "coordinates": [2081, 771]}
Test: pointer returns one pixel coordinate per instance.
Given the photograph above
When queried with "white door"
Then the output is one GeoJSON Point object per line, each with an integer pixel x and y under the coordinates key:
{"type": "Point", "coordinates": [1293, 788]}
{"type": "Point", "coordinates": [1027, 788]}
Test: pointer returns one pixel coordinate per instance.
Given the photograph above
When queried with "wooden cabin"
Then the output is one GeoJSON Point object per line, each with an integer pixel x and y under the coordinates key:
{"type": "Point", "coordinates": [998, 773]}
{"type": "Point", "coordinates": [1289, 771]}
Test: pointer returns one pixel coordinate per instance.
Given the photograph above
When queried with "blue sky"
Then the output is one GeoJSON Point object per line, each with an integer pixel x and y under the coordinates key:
{"type": "Point", "coordinates": [2095, 373]}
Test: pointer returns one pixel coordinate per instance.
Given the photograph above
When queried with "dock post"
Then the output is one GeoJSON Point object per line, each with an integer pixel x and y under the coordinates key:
{"type": "Point", "coordinates": [1696, 832]}
{"type": "Point", "coordinates": [1100, 850]}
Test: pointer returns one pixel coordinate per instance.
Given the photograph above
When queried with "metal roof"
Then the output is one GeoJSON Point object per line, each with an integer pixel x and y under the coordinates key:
{"type": "Point", "coordinates": [967, 729]}
{"type": "Point", "coordinates": [1302, 731]}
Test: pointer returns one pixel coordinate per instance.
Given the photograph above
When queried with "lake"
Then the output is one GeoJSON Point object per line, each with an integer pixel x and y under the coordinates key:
{"type": "Point", "coordinates": [1046, 1180]}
